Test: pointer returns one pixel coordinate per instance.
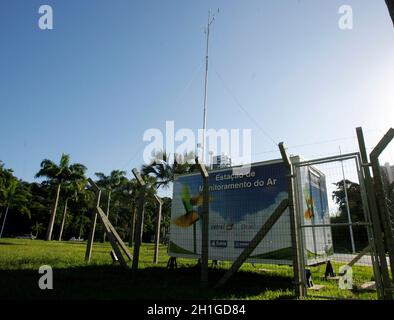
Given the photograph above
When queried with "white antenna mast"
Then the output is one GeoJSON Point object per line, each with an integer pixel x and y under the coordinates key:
{"type": "Point", "coordinates": [211, 18]}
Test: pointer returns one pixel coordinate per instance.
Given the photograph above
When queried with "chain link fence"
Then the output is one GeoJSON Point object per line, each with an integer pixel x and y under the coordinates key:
{"type": "Point", "coordinates": [335, 223]}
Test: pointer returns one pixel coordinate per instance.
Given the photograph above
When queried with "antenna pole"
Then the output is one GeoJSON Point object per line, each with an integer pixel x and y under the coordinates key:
{"type": "Point", "coordinates": [205, 91]}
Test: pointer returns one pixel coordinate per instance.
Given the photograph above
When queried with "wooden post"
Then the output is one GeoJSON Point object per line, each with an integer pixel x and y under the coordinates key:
{"type": "Point", "coordinates": [111, 236]}
{"type": "Point", "coordinates": [205, 223]}
{"type": "Point", "coordinates": [142, 224]}
{"type": "Point", "coordinates": [255, 241]}
{"type": "Point", "coordinates": [157, 230]}
{"type": "Point", "coordinates": [89, 246]}
{"type": "Point", "coordinates": [108, 228]}
{"type": "Point", "coordinates": [111, 232]}
{"type": "Point", "coordinates": [140, 209]}
{"type": "Point", "coordinates": [359, 256]}
{"type": "Point", "coordinates": [108, 203]}
{"type": "Point", "coordinates": [296, 238]}
{"type": "Point", "coordinates": [383, 279]}
{"type": "Point", "coordinates": [132, 226]}
{"type": "Point", "coordinates": [111, 229]}
{"type": "Point", "coordinates": [380, 195]}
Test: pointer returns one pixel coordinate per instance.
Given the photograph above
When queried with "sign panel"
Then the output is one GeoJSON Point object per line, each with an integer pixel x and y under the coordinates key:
{"type": "Point", "coordinates": [239, 205]}
{"type": "Point", "coordinates": [315, 214]}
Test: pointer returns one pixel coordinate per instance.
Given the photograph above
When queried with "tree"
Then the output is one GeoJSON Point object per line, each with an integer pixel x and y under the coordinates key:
{"type": "Point", "coordinates": [164, 171]}
{"type": "Point", "coordinates": [6, 177]}
{"type": "Point", "coordinates": [57, 175]}
{"type": "Point", "coordinates": [81, 206]}
{"type": "Point", "coordinates": [166, 213]}
{"type": "Point", "coordinates": [341, 235]}
{"type": "Point", "coordinates": [127, 195]}
{"type": "Point", "coordinates": [72, 190]}
{"type": "Point", "coordinates": [40, 205]}
{"type": "Point", "coordinates": [37, 228]}
{"type": "Point", "coordinates": [15, 195]}
{"type": "Point", "coordinates": [354, 199]}
{"type": "Point", "coordinates": [109, 183]}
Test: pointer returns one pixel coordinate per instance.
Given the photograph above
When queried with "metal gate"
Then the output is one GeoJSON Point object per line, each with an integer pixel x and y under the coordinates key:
{"type": "Point", "coordinates": [335, 228]}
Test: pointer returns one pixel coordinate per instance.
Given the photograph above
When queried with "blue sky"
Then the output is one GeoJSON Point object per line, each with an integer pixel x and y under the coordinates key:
{"type": "Point", "coordinates": [109, 70]}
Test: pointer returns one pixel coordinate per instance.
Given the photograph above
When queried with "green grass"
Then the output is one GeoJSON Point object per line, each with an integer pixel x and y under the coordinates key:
{"type": "Point", "coordinates": [74, 279]}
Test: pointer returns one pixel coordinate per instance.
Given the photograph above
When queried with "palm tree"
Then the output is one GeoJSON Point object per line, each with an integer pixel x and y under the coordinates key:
{"type": "Point", "coordinates": [109, 183]}
{"type": "Point", "coordinates": [85, 200]}
{"type": "Point", "coordinates": [57, 175]}
{"type": "Point", "coordinates": [129, 192]}
{"type": "Point", "coordinates": [72, 191]}
{"type": "Point", "coordinates": [16, 196]}
{"type": "Point", "coordinates": [37, 228]}
{"type": "Point", "coordinates": [6, 177]}
{"type": "Point", "coordinates": [164, 171]}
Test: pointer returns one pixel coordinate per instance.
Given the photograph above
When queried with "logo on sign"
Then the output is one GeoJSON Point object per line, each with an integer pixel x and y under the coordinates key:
{"type": "Point", "coordinates": [219, 243]}
{"type": "Point", "coordinates": [241, 244]}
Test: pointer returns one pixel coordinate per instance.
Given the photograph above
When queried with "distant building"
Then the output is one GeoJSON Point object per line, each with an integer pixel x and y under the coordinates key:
{"type": "Point", "coordinates": [223, 161]}
{"type": "Point", "coordinates": [389, 171]}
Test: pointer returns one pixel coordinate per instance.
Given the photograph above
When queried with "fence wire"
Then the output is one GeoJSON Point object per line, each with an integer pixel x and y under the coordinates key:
{"type": "Point", "coordinates": [336, 228]}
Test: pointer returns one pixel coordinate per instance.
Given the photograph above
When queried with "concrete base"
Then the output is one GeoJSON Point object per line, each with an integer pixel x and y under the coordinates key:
{"type": "Point", "coordinates": [316, 287]}
{"type": "Point", "coordinates": [369, 286]}
{"type": "Point", "coordinates": [332, 278]}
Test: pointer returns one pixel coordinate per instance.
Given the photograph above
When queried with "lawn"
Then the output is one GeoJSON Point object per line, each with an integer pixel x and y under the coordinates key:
{"type": "Point", "coordinates": [101, 279]}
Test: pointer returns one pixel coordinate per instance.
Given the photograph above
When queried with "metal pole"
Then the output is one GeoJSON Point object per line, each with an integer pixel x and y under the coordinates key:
{"type": "Point", "coordinates": [206, 89]}
{"type": "Point", "coordinates": [380, 194]}
{"type": "Point", "coordinates": [382, 282]}
{"type": "Point", "coordinates": [347, 206]}
{"type": "Point", "coordinates": [205, 223]}
{"type": "Point", "coordinates": [296, 237]}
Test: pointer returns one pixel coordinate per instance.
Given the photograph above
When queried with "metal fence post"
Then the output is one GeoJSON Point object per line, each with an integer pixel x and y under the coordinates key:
{"type": "Point", "coordinates": [367, 217]}
{"type": "Point", "coordinates": [383, 283]}
{"type": "Point", "coordinates": [296, 239]}
{"type": "Point", "coordinates": [380, 194]}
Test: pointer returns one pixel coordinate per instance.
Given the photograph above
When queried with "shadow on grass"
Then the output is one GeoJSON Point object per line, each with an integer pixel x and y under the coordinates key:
{"type": "Point", "coordinates": [113, 282]}
{"type": "Point", "coordinates": [10, 244]}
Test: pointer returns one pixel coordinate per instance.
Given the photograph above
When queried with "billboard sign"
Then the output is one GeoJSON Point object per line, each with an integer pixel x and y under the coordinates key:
{"type": "Point", "coordinates": [239, 205]}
